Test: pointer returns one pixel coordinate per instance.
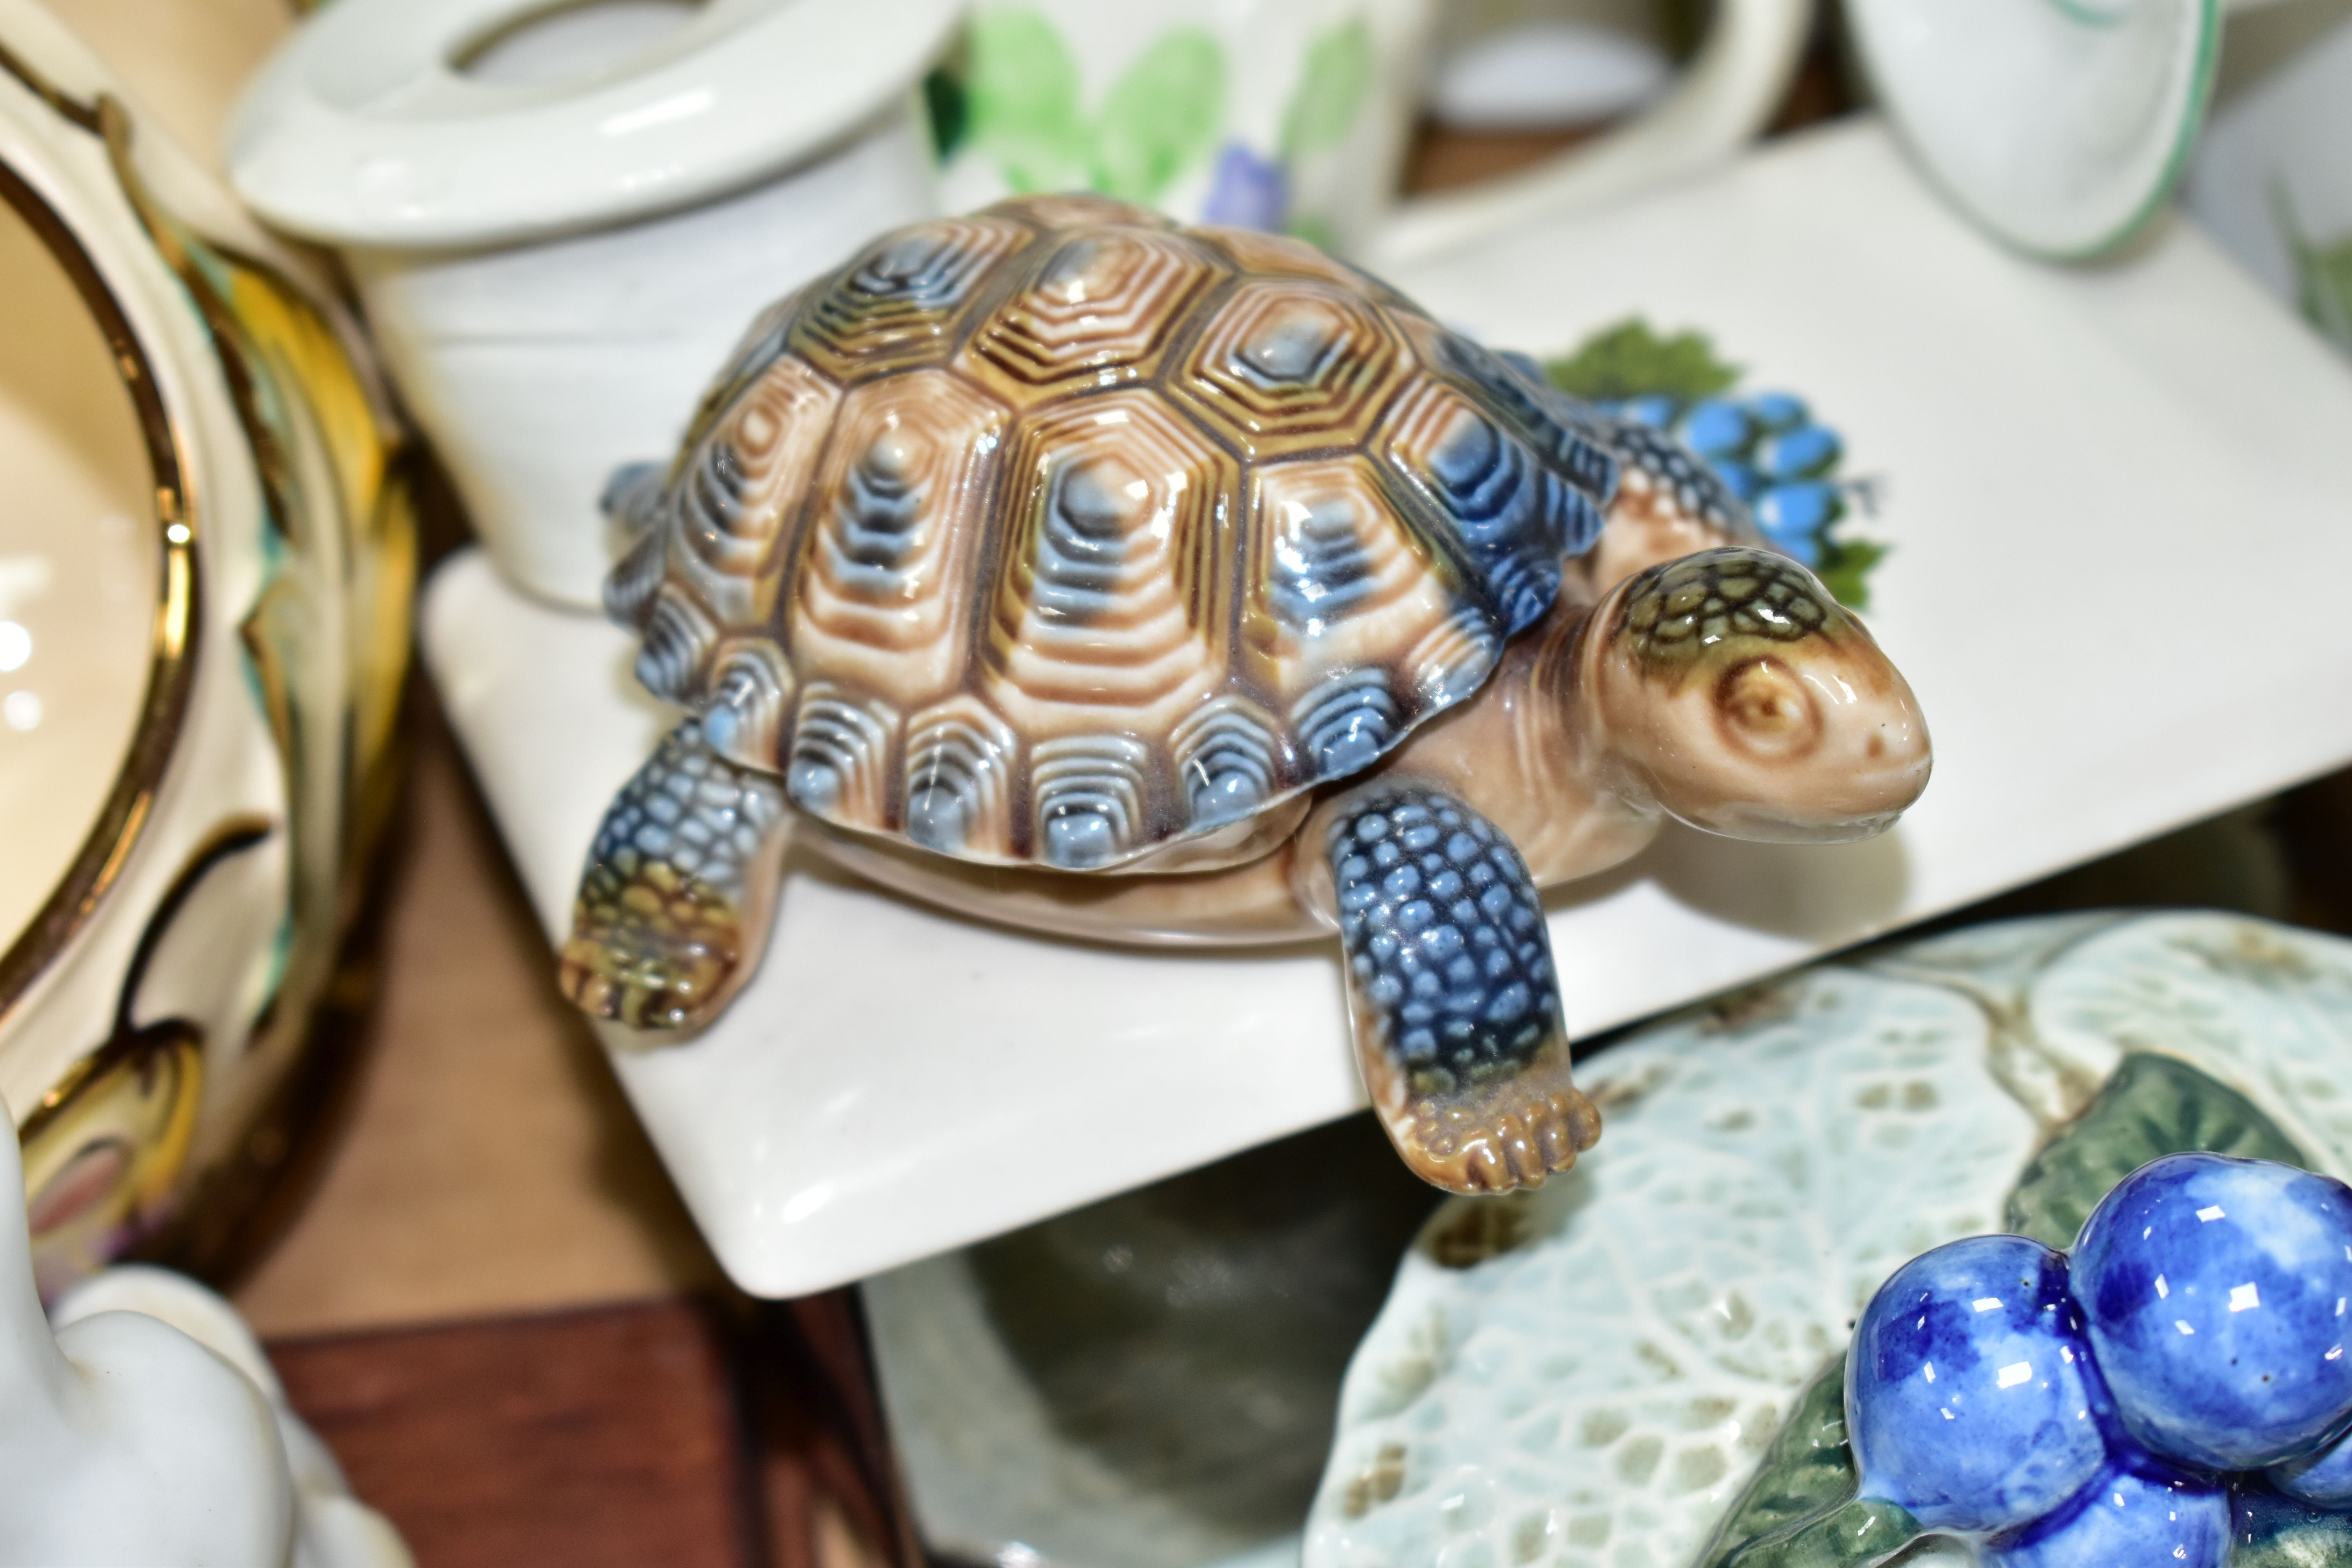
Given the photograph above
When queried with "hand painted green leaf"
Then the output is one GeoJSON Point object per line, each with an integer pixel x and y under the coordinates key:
{"type": "Point", "coordinates": [1798, 1510]}
{"type": "Point", "coordinates": [949, 110]}
{"type": "Point", "coordinates": [1161, 117]}
{"type": "Point", "coordinates": [1629, 360]}
{"type": "Point", "coordinates": [2267, 1531]}
{"type": "Point", "coordinates": [1863, 1533]}
{"type": "Point", "coordinates": [1807, 1475]}
{"type": "Point", "coordinates": [2323, 272]}
{"type": "Point", "coordinates": [1021, 94]}
{"type": "Point", "coordinates": [2154, 1105]}
{"type": "Point", "coordinates": [1332, 82]}
{"type": "Point", "coordinates": [1845, 567]}
{"type": "Point", "coordinates": [1315, 230]}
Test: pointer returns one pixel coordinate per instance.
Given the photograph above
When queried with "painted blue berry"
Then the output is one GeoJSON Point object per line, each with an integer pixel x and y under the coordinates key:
{"type": "Point", "coordinates": [1716, 428]}
{"type": "Point", "coordinates": [2216, 1292]}
{"type": "Point", "coordinates": [2132, 1516]}
{"type": "Point", "coordinates": [1800, 507]}
{"type": "Point", "coordinates": [1805, 548]}
{"type": "Point", "coordinates": [1970, 1394]}
{"type": "Point", "coordinates": [1800, 454]}
{"type": "Point", "coordinates": [1656, 410]}
{"type": "Point", "coordinates": [1739, 477]}
{"type": "Point", "coordinates": [2323, 1480]}
{"type": "Point", "coordinates": [1777, 410]}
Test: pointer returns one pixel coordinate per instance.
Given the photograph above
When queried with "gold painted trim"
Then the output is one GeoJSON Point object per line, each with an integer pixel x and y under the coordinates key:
{"type": "Point", "coordinates": [172, 671]}
{"type": "Point", "coordinates": [233, 837]}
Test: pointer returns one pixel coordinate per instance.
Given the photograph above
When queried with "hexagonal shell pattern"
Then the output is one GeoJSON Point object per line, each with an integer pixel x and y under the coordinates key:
{"type": "Point", "coordinates": [1284, 366]}
{"type": "Point", "coordinates": [748, 479]}
{"type": "Point", "coordinates": [1111, 598]}
{"type": "Point", "coordinates": [1059, 534]}
{"type": "Point", "coordinates": [904, 301]}
{"type": "Point", "coordinates": [1098, 311]}
{"type": "Point", "coordinates": [1336, 582]}
{"type": "Point", "coordinates": [880, 597]}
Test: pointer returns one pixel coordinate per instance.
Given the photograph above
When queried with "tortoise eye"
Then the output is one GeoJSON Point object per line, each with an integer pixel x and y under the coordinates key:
{"type": "Point", "coordinates": [1765, 711]}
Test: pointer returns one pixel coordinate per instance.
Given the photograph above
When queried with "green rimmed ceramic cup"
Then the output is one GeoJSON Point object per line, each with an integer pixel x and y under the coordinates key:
{"type": "Point", "coordinates": [2058, 125]}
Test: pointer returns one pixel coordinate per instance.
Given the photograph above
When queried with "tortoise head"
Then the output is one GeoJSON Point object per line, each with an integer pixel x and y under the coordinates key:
{"type": "Point", "coordinates": [1730, 687]}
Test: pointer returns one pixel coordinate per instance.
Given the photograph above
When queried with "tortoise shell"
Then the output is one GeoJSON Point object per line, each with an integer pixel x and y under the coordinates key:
{"type": "Point", "coordinates": [1060, 533]}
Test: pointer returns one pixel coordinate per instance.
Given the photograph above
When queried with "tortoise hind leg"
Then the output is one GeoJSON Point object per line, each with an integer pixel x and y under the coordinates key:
{"type": "Point", "coordinates": [1451, 988]}
{"type": "Point", "coordinates": [674, 903]}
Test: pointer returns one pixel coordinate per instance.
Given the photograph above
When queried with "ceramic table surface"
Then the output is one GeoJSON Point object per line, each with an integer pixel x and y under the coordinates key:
{"type": "Point", "coordinates": [2099, 487]}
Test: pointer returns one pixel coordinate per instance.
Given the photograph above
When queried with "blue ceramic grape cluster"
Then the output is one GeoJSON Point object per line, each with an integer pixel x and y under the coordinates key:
{"type": "Point", "coordinates": [1768, 450]}
{"type": "Point", "coordinates": [2094, 1410]}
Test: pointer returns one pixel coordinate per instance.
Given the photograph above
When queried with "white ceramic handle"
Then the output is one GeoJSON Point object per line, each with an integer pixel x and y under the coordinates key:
{"type": "Point", "coordinates": [1726, 97]}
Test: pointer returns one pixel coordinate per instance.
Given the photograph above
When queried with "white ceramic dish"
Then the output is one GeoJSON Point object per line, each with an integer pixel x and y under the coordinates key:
{"type": "Point", "coordinates": [1608, 1360]}
{"type": "Point", "coordinates": [2062, 456]}
{"type": "Point", "coordinates": [2060, 125]}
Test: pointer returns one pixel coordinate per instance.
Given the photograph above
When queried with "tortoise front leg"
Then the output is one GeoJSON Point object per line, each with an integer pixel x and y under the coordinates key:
{"type": "Point", "coordinates": [674, 903]}
{"type": "Point", "coordinates": [1452, 991]}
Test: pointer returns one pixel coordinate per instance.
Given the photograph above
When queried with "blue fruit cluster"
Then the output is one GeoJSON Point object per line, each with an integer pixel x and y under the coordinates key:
{"type": "Point", "coordinates": [1767, 450]}
{"type": "Point", "coordinates": [2086, 1411]}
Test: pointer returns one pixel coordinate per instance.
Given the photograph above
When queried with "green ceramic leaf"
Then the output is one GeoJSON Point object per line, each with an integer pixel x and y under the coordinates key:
{"type": "Point", "coordinates": [1629, 360]}
{"type": "Point", "coordinates": [1808, 1470]}
{"type": "Point", "coordinates": [1315, 230]}
{"type": "Point", "coordinates": [2154, 1105]}
{"type": "Point", "coordinates": [949, 108]}
{"type": "Point", "coordinates": [1161, 117]}
{"type": "Point", "coordinates": [1845, 567]}
{"type": "Point", "coordinates": [2267, 1531]}
{"type": "Point", "coordinates": [2323, 271]}
{"type": "Point", "coordinates": [1021, 95]}
{"type": "Point", "coordinates": [1863, 1533]}
{"type": "Point", "coordinates": [1332, 82]}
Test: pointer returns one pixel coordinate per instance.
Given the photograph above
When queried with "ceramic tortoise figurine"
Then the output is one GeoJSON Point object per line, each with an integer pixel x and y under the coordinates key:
{"type": "Point", "coordinates": [1151, 584]}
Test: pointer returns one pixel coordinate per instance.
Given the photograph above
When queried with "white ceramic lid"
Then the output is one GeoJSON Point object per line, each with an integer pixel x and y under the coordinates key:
{"type": "Point", "coordinates": [2060, 125]}
{"type": "Point", "coordinates": [364, 130]}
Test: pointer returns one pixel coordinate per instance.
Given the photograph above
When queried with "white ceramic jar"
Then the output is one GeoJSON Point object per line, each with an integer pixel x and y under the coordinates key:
{"type": "Point", "coordinates": [560, 221]}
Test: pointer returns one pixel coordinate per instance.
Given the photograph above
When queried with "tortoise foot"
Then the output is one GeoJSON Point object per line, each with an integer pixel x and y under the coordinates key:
{"type": "Point", "coordinates": [673, 905]}
{"type": "Point", "coordinates": [1450, 987]}
{"type": "Point", "coordinates": [1497, 1142]}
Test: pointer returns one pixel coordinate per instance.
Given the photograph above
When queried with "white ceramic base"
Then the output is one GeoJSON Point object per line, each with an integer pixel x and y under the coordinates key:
{"type": "Point", "coordinates": [2101, 489]}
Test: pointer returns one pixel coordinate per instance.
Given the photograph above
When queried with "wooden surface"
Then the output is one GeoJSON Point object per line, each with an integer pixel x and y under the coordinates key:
{"type": "Point", "coordinates": [588, 1438]}
{"type": "Point", "coordinates": [485, 1161]}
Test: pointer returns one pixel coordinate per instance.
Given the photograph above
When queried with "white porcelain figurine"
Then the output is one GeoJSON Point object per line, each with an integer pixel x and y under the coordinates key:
{"type": "Point", "coordinates": [141, 1423]}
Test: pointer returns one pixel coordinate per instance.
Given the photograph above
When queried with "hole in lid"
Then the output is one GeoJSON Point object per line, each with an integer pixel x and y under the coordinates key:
{"type": "Point", "coordinates": [574, 42]}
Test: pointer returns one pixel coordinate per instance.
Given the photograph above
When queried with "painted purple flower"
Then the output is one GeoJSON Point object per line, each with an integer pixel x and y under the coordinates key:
{"type": "Point", "coordinates": [1249, 192]}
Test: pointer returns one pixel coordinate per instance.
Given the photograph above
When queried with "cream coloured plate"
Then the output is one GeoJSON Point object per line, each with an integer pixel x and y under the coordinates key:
{"type": "Point", "coordinates": [2098, 490]}
{"type": "Point", "coordinates": [79, 573]}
